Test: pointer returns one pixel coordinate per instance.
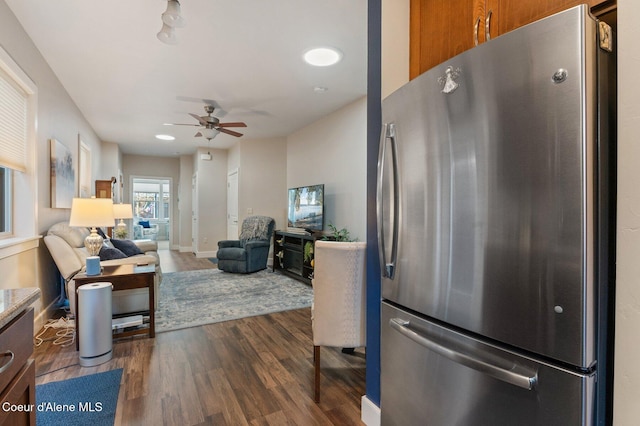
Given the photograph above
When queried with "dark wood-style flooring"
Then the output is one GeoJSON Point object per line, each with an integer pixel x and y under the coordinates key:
{"type": "Point", "coordinates": [252, 371]}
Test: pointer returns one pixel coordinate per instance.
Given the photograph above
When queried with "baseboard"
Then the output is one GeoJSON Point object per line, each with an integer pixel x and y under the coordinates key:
{"type": "Point", "coordinates": [370, 412]}
{"type": "Point", "coordinates": [207, 254]}
{"type": "Point", "coordinates": [43, 316]}
{"type": "Point", "coordinates": [174, 247]}
{"type": "Point", "coordinates": [185, 249]}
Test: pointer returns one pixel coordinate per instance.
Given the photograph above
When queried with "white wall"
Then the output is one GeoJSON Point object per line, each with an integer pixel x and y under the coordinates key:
{"type": "Point", "coordinates": [395, 45]}
{"type": "Point", "coordinates": [627, 350]}
{"type": "Point", "coordinates": [262, 179]}
{"type": "Point", "coordinates": [332, 151]}
{"type": "Point", "coordinates": [111, 166]}
{"type": "Point", "coordinates": [59, 118]}
{"type": "Point", "coordinates": [212, 201]}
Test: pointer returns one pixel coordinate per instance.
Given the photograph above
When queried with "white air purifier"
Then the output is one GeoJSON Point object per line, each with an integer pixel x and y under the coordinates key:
{"type": "Point", "coordinates": [94, 316]}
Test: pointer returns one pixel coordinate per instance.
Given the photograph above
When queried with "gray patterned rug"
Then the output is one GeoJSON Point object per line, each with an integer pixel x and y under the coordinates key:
{"type": "Point", "coordinates": [189, 299]}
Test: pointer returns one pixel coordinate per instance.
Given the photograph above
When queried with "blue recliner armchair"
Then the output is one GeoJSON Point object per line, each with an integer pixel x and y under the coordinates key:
{"type": "Point", "coordinates": [250, 252]}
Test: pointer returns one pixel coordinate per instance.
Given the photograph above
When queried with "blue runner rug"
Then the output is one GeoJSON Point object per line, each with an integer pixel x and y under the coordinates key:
{"type": "Point", "coordinates": [87, 400]}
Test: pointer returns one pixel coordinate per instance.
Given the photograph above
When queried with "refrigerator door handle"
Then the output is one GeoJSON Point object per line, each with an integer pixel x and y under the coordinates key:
{"type": "Point", "coordinates": [388, 265]}
{"type": "Point", "coordinates": [511, 373]}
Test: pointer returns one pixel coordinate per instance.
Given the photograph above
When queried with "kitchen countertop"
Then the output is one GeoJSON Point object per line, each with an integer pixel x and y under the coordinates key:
{"type": "Point", "coordinates": [14, 301]}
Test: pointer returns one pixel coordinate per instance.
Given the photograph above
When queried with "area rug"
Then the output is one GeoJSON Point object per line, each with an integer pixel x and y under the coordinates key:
{"type": "Point", "coordinates": [193, 298]}
{"type": "Point", "coordinates": [86, 400]}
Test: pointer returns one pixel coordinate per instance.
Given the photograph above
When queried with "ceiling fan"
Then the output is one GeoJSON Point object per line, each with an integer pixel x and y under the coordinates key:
{"type": "Point", "coordinates": [212, 125]}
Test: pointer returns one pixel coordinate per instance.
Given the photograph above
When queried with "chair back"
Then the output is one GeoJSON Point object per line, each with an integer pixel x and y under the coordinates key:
{"type": "Point", "coordinates": [256, 228]}
{"type": "Point", "coordinates": [339, 310]}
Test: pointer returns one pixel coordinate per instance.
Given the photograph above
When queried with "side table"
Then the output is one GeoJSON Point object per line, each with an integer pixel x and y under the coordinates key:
{"type": "Point", "coordinates": [123, 277]}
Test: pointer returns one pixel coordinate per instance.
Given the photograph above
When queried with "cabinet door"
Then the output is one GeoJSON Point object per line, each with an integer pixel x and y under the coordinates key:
{"type": "Point", "coordinates": [439, 29]}
{"type": "Point", "coordinates": [507, 15]}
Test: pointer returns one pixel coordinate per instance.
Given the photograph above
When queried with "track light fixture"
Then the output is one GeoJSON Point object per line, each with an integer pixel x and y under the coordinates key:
{"type": "Point", "coordinates": [171, 19]}
{"type": "Point", "coordinates": [167, 35]}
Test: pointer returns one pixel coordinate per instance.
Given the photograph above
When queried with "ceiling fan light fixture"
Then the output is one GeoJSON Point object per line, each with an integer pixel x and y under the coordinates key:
{"type": "Point", "coordinates": [322, 56]}
{"type": "Point", "coordinates": [172, 16]}
{"type": "Point", "coordinates": [209, 133]}
{"type": "Point", "coordinates": [167, 35]}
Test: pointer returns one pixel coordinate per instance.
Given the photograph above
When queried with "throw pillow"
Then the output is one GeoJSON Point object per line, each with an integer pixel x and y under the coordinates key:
{"type": "Point", "coordinates": [144, 223]}
{"type": "Point", "coordinates": [101, 233]}
{"type": "Point", "coordinates": [128, 247]}
{"type": "Point", "coordinates": [107, 253]}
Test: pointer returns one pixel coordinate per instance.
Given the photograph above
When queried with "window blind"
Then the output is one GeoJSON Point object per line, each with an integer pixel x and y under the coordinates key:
{"type": "Point", "coordinates": [13, 124]}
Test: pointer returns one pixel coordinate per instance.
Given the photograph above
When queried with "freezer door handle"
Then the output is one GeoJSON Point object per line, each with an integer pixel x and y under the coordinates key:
{"type": "Point", "coordinates": [510, 372]}
{"type": "Point", "coordinates": [387, 203]}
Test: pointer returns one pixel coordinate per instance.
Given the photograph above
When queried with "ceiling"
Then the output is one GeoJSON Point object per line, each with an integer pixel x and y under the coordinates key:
{"type": "Point", "coordinates": [244, 54]}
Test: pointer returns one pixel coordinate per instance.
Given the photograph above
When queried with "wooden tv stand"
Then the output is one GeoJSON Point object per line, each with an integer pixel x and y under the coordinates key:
{"type": "Point", "coordinates": [288, 255]}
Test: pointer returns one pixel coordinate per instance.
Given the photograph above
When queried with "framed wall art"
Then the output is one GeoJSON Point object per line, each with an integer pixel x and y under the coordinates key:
{"type": "Point", "coordinates": [63, 176]}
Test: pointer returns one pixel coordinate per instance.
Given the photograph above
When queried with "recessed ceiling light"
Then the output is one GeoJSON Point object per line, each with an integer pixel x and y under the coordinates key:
{"type": "Point", "coordinates": [322, 56]}
{"type": "Point", "coordinates": [165, 137]}
{"type": "Point", "coordinates": [320, 89]}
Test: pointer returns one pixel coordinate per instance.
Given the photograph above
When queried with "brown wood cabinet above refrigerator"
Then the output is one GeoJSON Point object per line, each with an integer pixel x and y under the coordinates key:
{"type": "Point", "coordinates": [441, 29]}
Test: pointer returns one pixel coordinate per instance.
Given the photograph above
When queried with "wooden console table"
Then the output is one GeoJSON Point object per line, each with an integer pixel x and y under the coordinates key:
{"type": "Point", "coordinates": [122, 277]}
{"type": "Point", "coordinates": [288, 255]}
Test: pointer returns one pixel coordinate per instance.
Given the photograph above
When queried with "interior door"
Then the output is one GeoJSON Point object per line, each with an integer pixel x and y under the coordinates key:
{"type": "Point", "coordinates": [232, 205]}
{"type": "Point", "coordinates": [194, 213]}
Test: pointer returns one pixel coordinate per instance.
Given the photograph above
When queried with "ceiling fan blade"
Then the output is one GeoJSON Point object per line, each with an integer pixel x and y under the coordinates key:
{"type": "Point", "coordinates": [197, 135]}
{"type": "Point", "coordinates": [218, 112]}
{"type": "Point", "coordinates": [200, 119]}
{"type": "Point", "coordinates": [230, 132]}
{"type": "Point", "coordinates": [180, 124]}
{"type": "Point", "coordinates": [234, 124]}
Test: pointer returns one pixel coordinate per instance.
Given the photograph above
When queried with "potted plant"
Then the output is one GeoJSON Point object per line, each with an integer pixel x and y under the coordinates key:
{"type": "Point", "coordinates": [120, 232]}
{"type": "Point", "coordinates": [338, 234]}
{"type": "Point", "coordinates": [308, 253]}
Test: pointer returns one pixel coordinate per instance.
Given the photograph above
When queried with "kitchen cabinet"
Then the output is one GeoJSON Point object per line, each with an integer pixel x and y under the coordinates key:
{"type": "Point", "coordinates": [441, 29]}
{"type": "Point", "coordinates": [17, 377]}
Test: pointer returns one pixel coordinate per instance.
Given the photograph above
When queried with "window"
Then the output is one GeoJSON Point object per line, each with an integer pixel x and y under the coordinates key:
{"type": "Point", "coordinates": [18, 106]}
{"type": "Point", "coordinates": [13, 142]}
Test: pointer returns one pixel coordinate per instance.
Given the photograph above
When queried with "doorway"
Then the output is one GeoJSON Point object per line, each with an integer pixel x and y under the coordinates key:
{"type": "Point", "coordinates": [152, 203]}
{"type": "Point", "coordinates": [232, 205]}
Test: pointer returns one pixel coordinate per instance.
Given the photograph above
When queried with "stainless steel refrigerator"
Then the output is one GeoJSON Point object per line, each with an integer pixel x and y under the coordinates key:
{"type": "Point", "coordinates": [496, 181]}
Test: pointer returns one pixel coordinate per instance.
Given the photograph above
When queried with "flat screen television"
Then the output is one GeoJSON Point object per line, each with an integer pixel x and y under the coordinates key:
{"type": "Point", "coordinates": [305, 209]}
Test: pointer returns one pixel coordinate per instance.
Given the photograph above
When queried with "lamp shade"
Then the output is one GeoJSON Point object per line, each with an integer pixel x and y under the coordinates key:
{"type": "Point", "coordinates": [92, 212]}
{"type": "Point", "coordinates": [122, 211]}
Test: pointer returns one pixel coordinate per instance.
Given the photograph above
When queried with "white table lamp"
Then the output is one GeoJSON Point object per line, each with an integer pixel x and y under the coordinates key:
{"type": "Point", "coordinates": [122, 211]}
{"type": "Point", "coordinates": [92, 213]}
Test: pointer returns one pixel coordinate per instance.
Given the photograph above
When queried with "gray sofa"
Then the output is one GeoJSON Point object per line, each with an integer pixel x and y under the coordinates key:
{"type": "Point", "coordinates": [66, 245]}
